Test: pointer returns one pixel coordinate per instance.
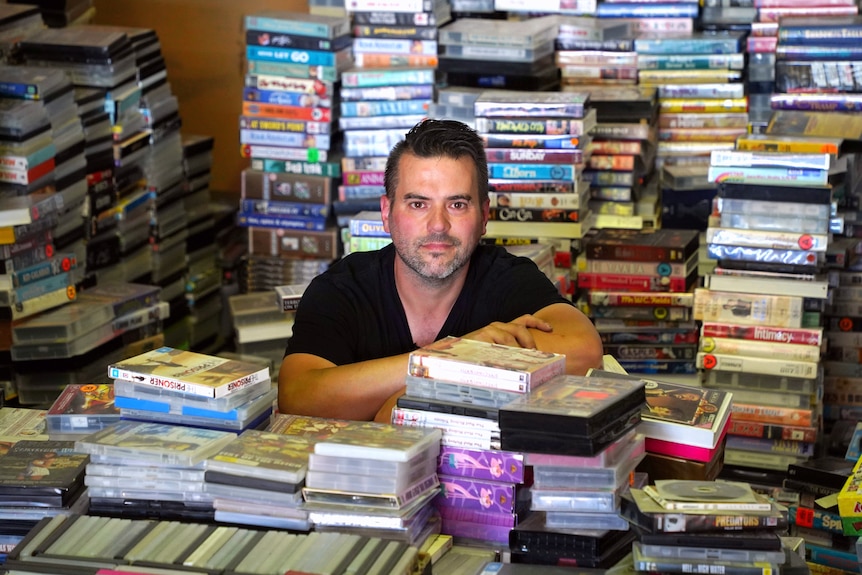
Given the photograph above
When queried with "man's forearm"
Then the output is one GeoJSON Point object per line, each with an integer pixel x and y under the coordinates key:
{"type": "Point", "coordinates": [309, 385]}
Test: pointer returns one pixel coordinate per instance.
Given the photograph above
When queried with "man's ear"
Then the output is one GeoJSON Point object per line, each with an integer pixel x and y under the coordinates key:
{"type": "Point", "coordinates": [384, 210]}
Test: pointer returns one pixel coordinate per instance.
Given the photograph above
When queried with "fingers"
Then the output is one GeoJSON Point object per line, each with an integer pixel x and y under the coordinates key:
{"type": "Point", "coordinates": [532, 321]}
{"type": "Point", "coordinates": [511, 334]}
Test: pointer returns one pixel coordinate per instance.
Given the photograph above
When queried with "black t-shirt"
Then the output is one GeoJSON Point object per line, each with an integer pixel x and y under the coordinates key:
{"type": "Point", "coordinates": [352, 312]}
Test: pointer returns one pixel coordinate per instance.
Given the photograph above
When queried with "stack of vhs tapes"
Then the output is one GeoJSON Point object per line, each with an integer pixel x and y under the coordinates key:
{"type": "Point", "coordinates": [16, 24]}
{"type": "Point", "coordinates": [638, 293]}
{"type": "Point", "coordinates": [623, 141]}
{"type": "Point", "coordinates": [500, 54]}
{"type": "Point", "coordinates": [80, 409]}
{"type": "Point", "coordinates": [139, 469]}
{"type": "Point", "coordinates": [175, 386]}
{"type": "Point", "coordinates": [38, 479]}
{"type": "Point", "coordinates": [669, 18]}
{"type": "Point", "coordinates": [689, 526]}
{"type": "Point", "coordinates": [700, 85]}
{"type": "Point", "coordinates": [261, 324]}
{"type": "Point", "coordinates": [288, 127]}
{"type": "Point", "coordinates": [455, 103]}
{"type": "Point", "coordinates": [395, 99]}
{"type": "Point", "coordinates": [364, 231]}
{"type": "Point", "coordinates": [53, 90]}
{"type": "Point", "coordinates": [762, 305]}
{"type": "Point", "coordinates": [103, 323]}
{"type": "Point", "coordinates": [103, 58]}
{"type": "Point", "coordinates": [64, 13]}
{"type": "Point", "coordinates": [599, 52]}
{"type": "Point", "coordinates": [821, 527]}
{"type": "Point", "coordinates": [375, 479]}
{"type": "Point", "coordinates": [535, 184]}
{"type": "Point", "coordinates": [816, 61]}
{"type": "Point", "coordinates": [591, 421]}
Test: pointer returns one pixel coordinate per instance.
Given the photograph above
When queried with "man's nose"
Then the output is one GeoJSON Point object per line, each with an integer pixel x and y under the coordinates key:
{"type": "Point", "coordinates": [439, 219]}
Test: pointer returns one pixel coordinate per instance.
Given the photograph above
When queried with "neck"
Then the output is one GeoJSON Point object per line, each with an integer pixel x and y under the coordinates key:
{"type": "Point", "coordinates": [426, 303]}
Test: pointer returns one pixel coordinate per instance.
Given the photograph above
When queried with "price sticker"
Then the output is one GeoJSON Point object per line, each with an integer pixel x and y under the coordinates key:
{"type": "Point", "coordinates": [804, 517]}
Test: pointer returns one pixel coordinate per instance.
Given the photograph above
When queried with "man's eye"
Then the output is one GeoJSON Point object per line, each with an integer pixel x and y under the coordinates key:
{"type": "Point", "coordinates": [459, 205]}
{"type": "Point", "coordinates": [416, 205]}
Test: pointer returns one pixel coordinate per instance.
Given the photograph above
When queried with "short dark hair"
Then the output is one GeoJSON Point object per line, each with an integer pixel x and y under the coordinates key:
{"type": "Point", "coordinates": [435, 139]}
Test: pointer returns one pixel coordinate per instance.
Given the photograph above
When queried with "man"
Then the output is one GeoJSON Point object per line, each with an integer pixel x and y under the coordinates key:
{"type": "Point", "coordinates": [357, 323]}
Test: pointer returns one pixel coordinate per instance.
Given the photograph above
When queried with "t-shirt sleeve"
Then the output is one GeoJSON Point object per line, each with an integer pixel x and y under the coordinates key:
{"type": "Point", "coordinates": [322, 325]}
{"type": "Point", "coordinates": [524, 289]}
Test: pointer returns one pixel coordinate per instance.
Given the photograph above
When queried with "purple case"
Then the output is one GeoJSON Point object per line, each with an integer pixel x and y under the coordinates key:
{"type": "Point", "coordinates": [476, 494]}
{"type": "Point", "coordinates": [481, 464]}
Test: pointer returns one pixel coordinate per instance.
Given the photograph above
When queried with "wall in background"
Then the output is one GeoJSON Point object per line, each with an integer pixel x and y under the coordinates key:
{"type": "Point", "coordinates": [204, 47]}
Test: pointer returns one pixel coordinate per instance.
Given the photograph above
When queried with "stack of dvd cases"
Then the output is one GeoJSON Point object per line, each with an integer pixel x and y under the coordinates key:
{"type": "Point", "coordinates": [257, 479]}
{"type": "Point", "coordinates": [500, 54]}
{"type": "Point", "coordinates": [638, 293]}
{"type": "Point", "coordinates": [375, 479]}
{"type": "Point", "coordinates": [104, 322]}
{"type": "Point", "coordinates": [455, 103]}
{"type": "Point", "coordinates": [38, 479]}
{"type": "Point", "coordinates": [691, 526]}
{"type": "Point", "coordinates": [183, 387]}
{"type": "Point", "coordinates": [580, 435]}
{"type": "Point", "coordinates": [535, 181]}
{"type": "Point", "coordinates": [761, 307]}
{"type": "Point", "coordinates": [80, 409]}
{"type": "Point", "coordinates": [458, 386]}
{"type": "Point", "coordinates": [485, 493]}
{"type": "Point", "coordinates": [701, 92]}
{"type": "Point", "coordinates": [288, 129]}
{"type": "Point", "coordinates": [145, 470]}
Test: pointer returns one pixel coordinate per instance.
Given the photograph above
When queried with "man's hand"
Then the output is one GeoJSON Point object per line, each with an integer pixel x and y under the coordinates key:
{"type": "Point", "coordinates": [515, 333]}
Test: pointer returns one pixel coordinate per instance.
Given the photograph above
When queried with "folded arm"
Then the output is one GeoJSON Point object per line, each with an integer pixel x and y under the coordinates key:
{"type": "Point", "coordinates": [558, 328]}
{"type": "Point", "coordinates": [311, 385]}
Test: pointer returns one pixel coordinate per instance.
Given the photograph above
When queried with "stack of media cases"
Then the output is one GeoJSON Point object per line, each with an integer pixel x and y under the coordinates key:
{"type": "Point", "coordinates": [186, 388]}
{"type": "Point", "coordinates": [38, 479]}
{"type": "Point", "coordinates": [103, 59]}
{"type": "Point", "coordinates": [141, 469]}
{"type": "Point", "coordinates": [286, 118]}
{"type": "Point", "coordinates": [458, 386]}
{"type": "Point", "coordinates": [257, 479]}
{"type": "Point", "coordinates": [620, 159]}
{"type": "Point", "coordinates": [761, 307]}
{"type": "Point", "coordinates": [102, 324]}
{"type": "Point", "coordinates": [580, 436]}
{"type": "Point", "coordinates": [375, 479]}
{"type": "Point", "coordinates": [513, 55]}
{"type": "Point", "coordinates": [684, 427]}
{"type": "Point", "coordinates": [289, 131]}
{"type": "Point", "coordinates": [81, 409]}
{"type": "Point", "coordinates": [387, 92]}
{"type": "Point", "coordinates": [687, 526]}
{"type": "Point", "coordinates": [637, 288]}
{"type": "Point", "coordinates": [699, 78]}
{"type": "Point", "coordinates": [535, 146]}
{"type": "Point", "coordinates": [69, 541]}
{"type": "Point", "coordinates": [596, 52]}
{"type": "Point", "coordinates": [261, 325]}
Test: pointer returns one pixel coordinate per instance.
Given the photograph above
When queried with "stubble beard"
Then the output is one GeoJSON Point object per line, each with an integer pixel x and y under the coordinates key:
{"type": "Point", "coordinates": [433, 272]}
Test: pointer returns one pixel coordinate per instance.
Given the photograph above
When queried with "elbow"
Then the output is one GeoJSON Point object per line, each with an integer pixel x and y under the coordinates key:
{"type": "Point", "coordinates": [588, 354]}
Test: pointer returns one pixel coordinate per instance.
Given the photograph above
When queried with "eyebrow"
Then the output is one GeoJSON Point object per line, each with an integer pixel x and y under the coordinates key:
{"type": "Point", "coordinates": [417, 196]}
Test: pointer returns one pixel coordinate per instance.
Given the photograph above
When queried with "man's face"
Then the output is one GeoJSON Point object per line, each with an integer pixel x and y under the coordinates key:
{"type": "Point", "coordinates": [435, 219]}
